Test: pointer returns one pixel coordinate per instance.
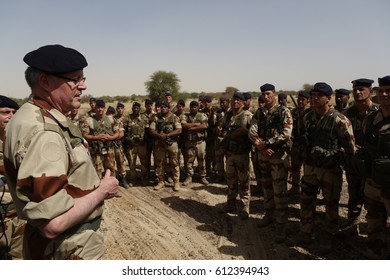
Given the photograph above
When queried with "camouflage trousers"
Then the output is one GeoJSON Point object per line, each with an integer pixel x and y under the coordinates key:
{"type": "Point", "coordinates": [195, 150]}
{"type": "Point", "coordinates": [132, 154]}
{"type": "Point", "coordinates": [377, 204]}
{"type": "Point", "coordinates": [13, 236]}
{"type": "Point", "coordinates": [103, 162]}
{"type": "Point", "coordinates": [273, 176]}
{"type": "Point", "coordinates": [219, 158]}
{"type": "Point", "coordinates": [330, 182]}
{"type": "Point", "coordinates": [237, 178]}
{"type": "Point", "coordinates": [120, 160]}
{"type": "Point", "coordinates": [355, 194]}
{"type": "Point", "coordinates": [297, 157]}
{"type": "Point", "coordinates": [210, 155]}
{"type": "Point", "coordinates": [162, 153]}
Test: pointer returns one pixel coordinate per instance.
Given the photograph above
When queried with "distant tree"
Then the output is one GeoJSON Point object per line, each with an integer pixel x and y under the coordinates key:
{"type": "Point", "coordinates": [160, 82]}
{"type": "Point", "coordinates": [307, 87]}
{"type": "Point", "coordinates": [230, 91]}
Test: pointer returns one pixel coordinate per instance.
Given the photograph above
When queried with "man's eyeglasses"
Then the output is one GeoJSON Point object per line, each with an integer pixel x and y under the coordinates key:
{"type": "Point", "coordinates": [76, 81]}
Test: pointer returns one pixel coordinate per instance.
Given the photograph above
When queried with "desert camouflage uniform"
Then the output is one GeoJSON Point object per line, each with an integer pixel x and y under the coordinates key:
{"type": "Point", "coordinates": [210, 141]}
{"type": "Point", "coordinates": [195, 145]}
{"type": "Point", "coordinates": [377, 184]}
{"type": "Point", "coordinates": [11, 240]}
{"type": "Point", "coordinates": [237, 160]}
{"type": "Point", "coordinates": [48, 166]}
{"type": "Point", "coordinates": [219, 150]}
{"type": "Point", "coordinates": [274, 127]}
{"type": "Point", "coordinates": [331, 140]}
{"type": "Point", "coordinates": [298, 147]}
{"type": "Point", "coordinates": [77, 120]}
{"type": "Point", "coordinates": [356, 180]}
{"type": "Point", "coordinates": [164, 149]}
{"type": "Point", "coordinates": [181, 140]}
{"type": "Point", "coordinates": [120, 158]}
{"type": "Point", "coordinates": [149, 143]}
{"type": "Point", "coordinates": [102, 152]}
{"type": "Point", "coordinates": [135, 144]}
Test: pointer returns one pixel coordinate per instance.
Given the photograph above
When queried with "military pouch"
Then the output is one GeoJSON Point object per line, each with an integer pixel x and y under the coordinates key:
{"type": "Point", "coordinates": [380, 172]}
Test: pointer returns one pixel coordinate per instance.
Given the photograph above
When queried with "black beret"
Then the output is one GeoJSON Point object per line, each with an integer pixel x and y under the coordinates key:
{"type": "Point", "coordinates": [120, 105]}
{"type": "Point", "coordinates": [385, 81]}
{"type": "Point", "coordinates": [323, 88]}
{"type": "Point", "coordinates": [239, 95]}
{"type": "Point", "coordinates": [158, 103]}
{"type": "Point", "coordinates": [168, 93]}
{"type": "Point", "coordinates": [100, 103]}
{"type": "Point", "coordinates": [362, 83]}
{"type": "Point", "coordinates": [55, 59]}
{"type": "Point", "coordinates": [201, 98]}
{"type": "Point", "coordinates": [267, 87]}
{"type": "Point", "coordinates": [223, 98]}
{"type": "Point", "coordinates": [261, 99]}
{"type": "Point", "coordinates": [304, 94]}
{"type": "Point", "coordinates": [282, 96]}
{"type": "Point", "coordinates": [110, 109]}
{"type": "Point", "coordinates": [148, 101]}
{"type": "Point", "coordinates": [181, 102]}
{"type": "Point", "coordinates": [342, 91]}
{"type": "Point", "coordinates": [165, 103]}
{"type": "Point", "coordinates": [207, 99]}
{"type": "Point", "coordinates": [6, 102]}
{"type": "Point", "coordinates": [247, 95]}
{"type": "Point", "coordinates": [136, 104]}
{"type": "Point", "coordinates": [194, 103]}
{"type": "Point", "coordinates": [92, 99]}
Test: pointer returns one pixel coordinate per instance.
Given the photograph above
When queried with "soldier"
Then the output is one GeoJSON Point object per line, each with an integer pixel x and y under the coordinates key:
{"type": "Point", "coordinates": [181, 139]}
{"type": "Point", "coordinates": [110, 111]}
{"type": "Point", "coordinates": [169, 97]}
{"type": "Point", "coordinates": [271, 135]}
{"type": "Point", "coordinates": [210, 135]}
{"type": "Point", "coordinates": [376, 128]}
{"type": "Point", "coordinates": [247, 101]}
{"type": "Point", "coordinates": [298, 141]}
{"type": "Point", "coordinates": [330, 141]}
{"type": "Point", "coordinates": [49, 171]}
{"type": "Point", "coordinates": [224, 103]}
{"type": "Point", "coordinates": [194, 128]}
{"type": "Point", "coordinates": [235, 125]}
{"type": "Point", "coordinates": [135, 126]}
{"type": "Point", "coordinates": [120, 158]}
{"type": "Point", "coordinates": [165, 128]}
{"type": "Point", "coordinates": [362, 91]}
{"type": "Point", "coordinates": [92, 104]}
{"type": "Point", "coordinates": [342, 98]}
{"type": "Point", "coordinates": [11, 227]}
{"type": "Point", "coordinates": [282, 99]}
{"type": "Point", "coordinates": [100, 131]}
{"type": "Point", "coordinates": [149, 114]}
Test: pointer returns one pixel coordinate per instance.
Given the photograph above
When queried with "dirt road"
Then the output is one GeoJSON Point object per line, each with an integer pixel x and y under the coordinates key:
{"type": "Point", "coordinates": [144, 224]}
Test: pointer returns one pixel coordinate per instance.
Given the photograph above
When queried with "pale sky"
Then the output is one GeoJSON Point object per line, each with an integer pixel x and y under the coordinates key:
{"type": "Point", "coordinates": [209, 44]}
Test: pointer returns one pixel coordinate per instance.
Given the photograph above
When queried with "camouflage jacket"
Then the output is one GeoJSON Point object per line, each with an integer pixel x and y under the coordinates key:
{"type": "Point", "coordinates": [46, 161]}
{"type": "Point", "coordinates": [196, 135]}
{"type": "Point", "coordinates": [135, 128]}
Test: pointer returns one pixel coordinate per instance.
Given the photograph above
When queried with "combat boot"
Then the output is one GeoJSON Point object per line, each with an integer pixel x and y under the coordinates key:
{"type": "Point", "coordinates": [176, 186]}
{"type": "Point", "coordinates": [204, 181]}
{"type": "Point", "coordinates": [281, 233]}
{"type": "Point", "coordinates": [159, 186]}
{"type": "Point", "coordinates": [187, 181]}
{"type": "Point", "coordinates": [229, 207]}
{"type": "Point", "coordinates": [267, 220]}
{"type": "Point", "coordinates": [123, 182]}
{"type": "Point", "coordinates": [244, 213]}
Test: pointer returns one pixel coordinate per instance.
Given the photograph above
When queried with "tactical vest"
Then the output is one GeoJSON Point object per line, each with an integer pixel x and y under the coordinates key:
{"type": "Point", "coordinates": [107, 127]}
{"type": "Point", "coordinates": [269, 123]}
{"type": "Point", "coordinates": [195, 136]}
{"type": "Point", "coordinates": [238, 145]}
{"type": "Point", "coordinates": [322, 134]}
{"type": "Point", "coordinates": [135, 129]}
{"type": "Point", "coordinates": [165, 125]}
{"type": "Point", "coordinates": [356, 119]}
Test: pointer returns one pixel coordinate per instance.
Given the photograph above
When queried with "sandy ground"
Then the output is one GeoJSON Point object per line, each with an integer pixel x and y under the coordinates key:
{"type": "Point", "coordinates": [144, 224]}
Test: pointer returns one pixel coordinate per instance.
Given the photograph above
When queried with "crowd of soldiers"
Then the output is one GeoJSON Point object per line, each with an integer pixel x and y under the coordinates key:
{"type": "Point", "coordinates": [311, 145]}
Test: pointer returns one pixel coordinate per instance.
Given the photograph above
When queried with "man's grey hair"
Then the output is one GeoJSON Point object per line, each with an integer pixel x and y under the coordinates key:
{"type": "Point", "coordinates": [32, 75]}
